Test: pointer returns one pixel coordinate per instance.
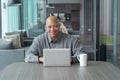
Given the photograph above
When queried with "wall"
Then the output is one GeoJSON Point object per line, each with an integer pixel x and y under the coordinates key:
{"type": "Point", "coordinates": [118, 28]}
{"type": "Point", "coordinates": [82, 17]}
{"type": "Point", "coordinates": [4, 17]}
{"type": "Point", "coordinates": [118, 32]}
{"type": "Point", "coordinates": [105, 17]}
{"type": "Point", "coordinates": [0, 21]}
{"type": "Point", "coordinates": [86, 20]}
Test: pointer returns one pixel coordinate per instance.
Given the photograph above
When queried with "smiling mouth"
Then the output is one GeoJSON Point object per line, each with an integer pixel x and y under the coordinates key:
{"type": "Point", "coordinates": [53, 32]}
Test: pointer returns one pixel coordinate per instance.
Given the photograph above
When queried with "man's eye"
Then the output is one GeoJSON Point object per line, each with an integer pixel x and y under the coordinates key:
{"type": "Point", "coordinates": [49, 26]}
{"type": "Point", "coordinates": [52, 26]}
{"type": "Point", "coordinates": [55, 25]}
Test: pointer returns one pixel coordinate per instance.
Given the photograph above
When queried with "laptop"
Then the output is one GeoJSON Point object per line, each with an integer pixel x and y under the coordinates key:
{"type": "Point", "coordinates": [57, 57]}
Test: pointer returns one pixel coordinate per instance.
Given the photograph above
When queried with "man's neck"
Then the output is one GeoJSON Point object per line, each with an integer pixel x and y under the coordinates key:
{"type": "Point", "coordinates": [54, 38]}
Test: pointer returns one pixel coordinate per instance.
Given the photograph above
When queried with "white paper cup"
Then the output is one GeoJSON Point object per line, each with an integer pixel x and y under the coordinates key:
{"type": "Point", "coordinates": [82, 58]}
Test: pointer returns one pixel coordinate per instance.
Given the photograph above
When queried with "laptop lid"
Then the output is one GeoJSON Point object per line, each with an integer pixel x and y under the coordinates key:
{"type": "Point", "coordinates": [57, 57]}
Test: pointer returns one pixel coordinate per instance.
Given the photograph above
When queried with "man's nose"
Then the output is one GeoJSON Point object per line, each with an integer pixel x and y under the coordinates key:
{"type": "Point", "coordinates": [52, 28]}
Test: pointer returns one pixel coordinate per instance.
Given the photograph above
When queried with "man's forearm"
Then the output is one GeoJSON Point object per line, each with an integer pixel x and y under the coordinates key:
{"type": "Point", "coordinates": [31, 58]}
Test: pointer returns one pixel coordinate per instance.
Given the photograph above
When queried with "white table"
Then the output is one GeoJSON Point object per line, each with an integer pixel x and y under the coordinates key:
{"type": "Point", "coordinates": [33, 71]}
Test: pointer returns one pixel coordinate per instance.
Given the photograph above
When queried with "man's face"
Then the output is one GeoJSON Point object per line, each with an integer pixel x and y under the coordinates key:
{"type": "Point", "coordinates": [52, 28]}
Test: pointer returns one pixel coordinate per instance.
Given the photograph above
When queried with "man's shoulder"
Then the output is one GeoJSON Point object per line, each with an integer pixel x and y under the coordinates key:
{"type": "Point", "coordinates": [68, 36]}
{"type": "Point", "coordinates": [42, 36]}
{"type": "Point", "coordinates": [65, 34]}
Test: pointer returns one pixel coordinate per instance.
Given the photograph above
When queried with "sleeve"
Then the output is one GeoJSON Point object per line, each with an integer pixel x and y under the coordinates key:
{"type": "Point", "coordinates": [76, 49]}
{"type": "Point", "coordinates": [32, 54]}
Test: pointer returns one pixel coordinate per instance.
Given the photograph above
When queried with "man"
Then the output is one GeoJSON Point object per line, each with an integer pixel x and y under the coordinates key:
{"type": "Point", "coordinates": [53, 38]}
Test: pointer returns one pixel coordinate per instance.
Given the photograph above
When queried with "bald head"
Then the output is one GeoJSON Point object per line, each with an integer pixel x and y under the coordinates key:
{"type": "Point", "coordinates": [52, 19]}
{"type": "Point", "coordinates": [52, 27]}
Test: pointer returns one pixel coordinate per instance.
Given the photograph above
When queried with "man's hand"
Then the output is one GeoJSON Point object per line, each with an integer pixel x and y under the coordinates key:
{"type": "Point", "coordinates": [40, 59]}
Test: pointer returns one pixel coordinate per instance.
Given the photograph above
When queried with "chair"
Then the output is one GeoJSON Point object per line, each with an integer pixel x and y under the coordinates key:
{"type": "Point", "coordinates": [63, 28]}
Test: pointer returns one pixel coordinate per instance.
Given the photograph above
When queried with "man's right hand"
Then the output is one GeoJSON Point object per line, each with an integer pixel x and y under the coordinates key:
{"type": "Point", "coordinates": [40, 59]}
